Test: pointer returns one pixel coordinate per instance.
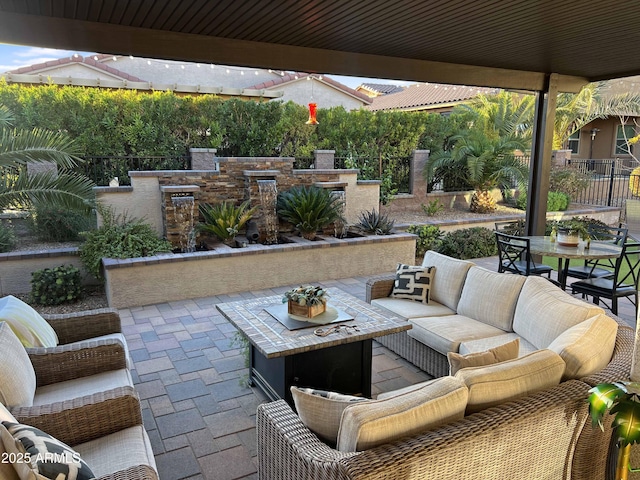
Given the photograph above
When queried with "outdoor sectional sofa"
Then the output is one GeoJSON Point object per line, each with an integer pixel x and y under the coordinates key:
{"type": "Point", "coordinates": [544, 432]}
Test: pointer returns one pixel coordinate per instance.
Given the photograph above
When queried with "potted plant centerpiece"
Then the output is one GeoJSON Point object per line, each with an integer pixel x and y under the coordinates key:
{"type": "Point", "coordinates": [306, 301]}
{"type": "Point", "coordinates": [569, 232]}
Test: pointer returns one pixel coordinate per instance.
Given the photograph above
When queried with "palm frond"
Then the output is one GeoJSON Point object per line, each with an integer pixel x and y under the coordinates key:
{"type": "Point", "coordinates": [18, 147]}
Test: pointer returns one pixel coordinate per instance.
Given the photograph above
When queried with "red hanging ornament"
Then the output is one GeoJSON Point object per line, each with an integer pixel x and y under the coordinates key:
{"type": "Point", "coordinates": [312, 114]}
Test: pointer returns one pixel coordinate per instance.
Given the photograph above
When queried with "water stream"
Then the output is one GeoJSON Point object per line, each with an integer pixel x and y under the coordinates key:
{"type": "Point", "coordinates": [340, 226]}
{"type": "Point", "coordinates": [183, 216]}
{"type": "Point", "coordinates": [268, 196]}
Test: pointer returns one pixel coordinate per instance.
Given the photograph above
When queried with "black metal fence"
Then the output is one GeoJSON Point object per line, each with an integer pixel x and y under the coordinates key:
{"type": "Point", "coordinates": [303, 163]}
{"type": "Point", "coordinates": [374, 168]}
{"type": "Point", "coordinates": [102, 170]}
{"type": "Point", "coordinates": [609, 184]}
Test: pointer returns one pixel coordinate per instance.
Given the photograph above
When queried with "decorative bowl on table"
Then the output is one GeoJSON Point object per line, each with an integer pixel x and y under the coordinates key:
{"type": "Point", "coordinates": [306, 301]}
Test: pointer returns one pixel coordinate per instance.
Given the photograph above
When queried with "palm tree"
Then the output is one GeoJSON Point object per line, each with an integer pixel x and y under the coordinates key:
{"type": "Point", "coordinates": [19, 189]}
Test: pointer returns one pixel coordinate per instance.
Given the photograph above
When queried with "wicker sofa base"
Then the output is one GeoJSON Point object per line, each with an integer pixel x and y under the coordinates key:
{"type": "Point", "coordinates": [423, 357]}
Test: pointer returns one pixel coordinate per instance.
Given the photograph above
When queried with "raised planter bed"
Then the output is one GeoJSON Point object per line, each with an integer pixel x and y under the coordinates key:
{"type": "Point", "coordinates": [165, 278]}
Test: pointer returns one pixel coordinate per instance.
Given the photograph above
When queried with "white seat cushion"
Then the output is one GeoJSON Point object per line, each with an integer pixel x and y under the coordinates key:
{"type": "Point", "coordinates": [544, 311]}
{"type": "Point", "coordinates": [449, 278]}
{"type": "Point", "coordinates": [369, 424]}
{"type": "Point", "coordinates": [484, 344]}
{"type": "Point", "coordinates": [444, 334]}
{"type": "Point", "coordinates": [118, 451]}
{"type": "Point", "coordinates": [587, 347]}
{"type": "Point", "coordinates": [79, 387]}
{"type": "Point", "coordinates": [28, 325]}
{"type": "Point", "coordinates": [411, 309]}
{"type": "Point", "coordinates": [505, 381]}
{"type": "Point", "coordinates": [490, 297]}
{"type": "Point", "coordinates": [17, 377]}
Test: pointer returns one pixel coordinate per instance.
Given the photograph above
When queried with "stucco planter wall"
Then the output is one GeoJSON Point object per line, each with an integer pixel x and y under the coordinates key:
{"type": "Point", "coordinates": [158, 279]}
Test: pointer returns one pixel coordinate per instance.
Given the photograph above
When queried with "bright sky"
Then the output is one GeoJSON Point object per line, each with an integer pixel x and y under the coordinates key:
{"type": "Point", "coordinates": [16, 56]}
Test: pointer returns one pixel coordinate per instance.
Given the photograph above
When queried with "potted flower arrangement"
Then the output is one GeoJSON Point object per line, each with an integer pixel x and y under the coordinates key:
{"type": "Point", "coordinates": [569, 232]}
{"type": "Point", "coordinates": [306, 301]}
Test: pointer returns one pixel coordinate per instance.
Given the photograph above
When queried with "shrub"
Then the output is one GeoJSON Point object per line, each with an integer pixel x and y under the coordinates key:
{"type": "Point", "coordinates": [119, 238]}
{"type": "Point", "coordinates": [224, 220]}
{"type": "Point", "coordinates": [432, 208]}
{"type": "Point", "coordinates": [53, 286]}
{"type": "Point", "coordinates": [56, 224]}
{"type": "Point", "coordinates": [475, 242]}
{"type": "Point", "coordinates": [557, 201]}
{"type": "Point", "coordinates": [7, 238]}
{"type": "Point", "coordinates": [309, 209]}
{"type": "Point", "coordinates": [568, 180]}
{"type": "Point", "coordinates": [375, 223]}
{"type": "Point", "coordinates": [429, 238]}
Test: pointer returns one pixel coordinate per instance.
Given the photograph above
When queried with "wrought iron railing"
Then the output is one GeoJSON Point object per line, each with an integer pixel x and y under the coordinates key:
{"type": "Point", "coordinates": [609, 184]}
{"type": "Point", "coordinates": [373, 168]}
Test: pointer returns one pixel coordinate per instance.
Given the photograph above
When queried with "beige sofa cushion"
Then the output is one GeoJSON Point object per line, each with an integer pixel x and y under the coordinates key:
{"type": "Point", "coordinates": [320, 411]}
{"type": "Point", "coordinates": [7, 472]}
{"type": "Point", "coordinates": [544, 311]}
{"type": "Point", "coordinates": [501, 353]}
{"type": "Point", "coordinates": [444, 334]}
{"type": "Point", "coordinates": [587, 347]}
{"type": "Point", "coordinates": [449, 278]}
{"type": "Point", "coordinates": [403, 390]}
{"type": "Point", "coordinates": [490, 297]}
{"type": "Point", "coordinates": [367, 425]}
{"type": "Point", "coordinates": [118, 451]}
{"type": "Point", "coordinates": [502, 382]}
{"type": "Point", "coordinates": [17, 377]}
{"type": "Point", "coordinates": [408, 309]}
{"type": "Point", "coordinates": [79, 387]}
{"type": "Point", "coordinates": [483, 344]}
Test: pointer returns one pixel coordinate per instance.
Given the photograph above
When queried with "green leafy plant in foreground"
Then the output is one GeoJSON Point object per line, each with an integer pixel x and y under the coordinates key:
{"type": "Point", "coordinates": [429, 238]}
{"type": "Point", "coordinates": [224, 220]}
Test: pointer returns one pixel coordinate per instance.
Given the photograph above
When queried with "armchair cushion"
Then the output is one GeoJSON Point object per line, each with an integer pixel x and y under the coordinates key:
{"type": "Point", "coordinates": [17, 377]}
{"type": "Point", "coordinates": [321, 411]}
{"type": "Point", "coordinates": [369, 424]}
{"type": "Point", "coordinates": [79, 387]}
{"type": "Point", "coordinates": [501, 353]}
{"type": "Point", "coordinates": [48, 458]}
{"type": "Point", "coordinates": [30, 328]}
{"type": "Point", "coordinates": [413, 283]}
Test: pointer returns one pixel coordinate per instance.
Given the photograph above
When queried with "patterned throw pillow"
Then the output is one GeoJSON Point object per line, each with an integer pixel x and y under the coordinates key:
{"type": "Point", "coordinates": [320, 410]}
{"type": "Point", "coordinates": [413, 282]}
{"type": "Point", "coordinates": [43, 456]}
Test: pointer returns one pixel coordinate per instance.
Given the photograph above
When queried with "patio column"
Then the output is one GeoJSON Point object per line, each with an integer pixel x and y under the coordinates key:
{"type": "Point", "coordinates": [541, 150]}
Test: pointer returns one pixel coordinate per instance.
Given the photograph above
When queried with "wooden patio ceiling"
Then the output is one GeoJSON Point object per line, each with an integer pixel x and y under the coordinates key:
{"type": "Point", "coordinates": [500, 43]}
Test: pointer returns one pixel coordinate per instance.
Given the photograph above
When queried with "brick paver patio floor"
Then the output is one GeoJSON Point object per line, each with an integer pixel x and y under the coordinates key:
{"type": "Point", "coordinates": [189, 374]}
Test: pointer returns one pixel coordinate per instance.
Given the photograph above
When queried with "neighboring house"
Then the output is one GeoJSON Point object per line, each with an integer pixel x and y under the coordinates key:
{"type": "Point", "coordinates": [376, 89]}
{"type": "Point", "coordinates": [116, 71]}
{"type": "Point", "coordinates": [432, 97]}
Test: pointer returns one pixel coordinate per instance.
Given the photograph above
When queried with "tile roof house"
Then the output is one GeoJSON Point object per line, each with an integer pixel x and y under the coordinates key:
{"type": "Point", "coordinates": [377, 89]}
{"type": "Point", "coordinates": [116, 71]}
{"type": "Point", "coordinates": [434, 97]}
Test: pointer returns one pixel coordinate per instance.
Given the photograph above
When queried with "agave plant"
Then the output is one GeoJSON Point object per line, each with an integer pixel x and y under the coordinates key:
{"type": "Point", "coordinates": [225, 220]}
{"type": "Point", "coordinates": [622, 400]}
{"type": "Point", "coordinates": [309, 209]}
{"type": "Point", "coordinates": [374, 222]}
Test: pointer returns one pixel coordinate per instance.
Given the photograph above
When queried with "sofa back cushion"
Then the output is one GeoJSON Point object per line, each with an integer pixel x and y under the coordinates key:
{"type": "Point", "coordinates": [17, 377]}
{"type": "Point", "coordinates": [501, 353]}
{"type": "Point", "coordinates": [490, 297]}
{"type": "Point", "coordinates": [587, 347]}
{"type": "Point", "coordinates": [544, 311]}
{"type": "Point", "coordinates": [449, 277]}
{"type": "Point", "coordinates": [28, 325]}
{"type": "Point", "coordinates": [495, 384]}
{"type": "Point", "coordinates": [369, 424]}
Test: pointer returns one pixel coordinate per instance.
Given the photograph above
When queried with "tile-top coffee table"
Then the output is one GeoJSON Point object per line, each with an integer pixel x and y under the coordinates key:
{"type": "Point", "coordinates": [340, 361]}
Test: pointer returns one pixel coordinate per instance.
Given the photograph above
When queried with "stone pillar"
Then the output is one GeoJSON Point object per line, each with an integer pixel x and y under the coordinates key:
{"type": "Point", "coordinates": [34, 168]}
{"type": "Point", "coordinates": [324, 159]}
{"type": "Point", "coordinates": [417, 183]}
{"type": "Point", "coordinates": [203, 158]}
{"type": "Point", "coordinates": [560, 158]}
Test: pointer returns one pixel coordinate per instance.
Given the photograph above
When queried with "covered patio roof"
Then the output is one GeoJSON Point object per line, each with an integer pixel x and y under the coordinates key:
{"type": "Point", "coordinates": [541, 46]}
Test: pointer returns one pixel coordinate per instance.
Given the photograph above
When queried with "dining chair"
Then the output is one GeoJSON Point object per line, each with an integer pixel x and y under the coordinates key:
{"type": "Point", "coordinates": [632, 217]}
{"type": "Point", "coordinates": [600, 267]}
{"type": "Point", "coordinates": [514, 255]}
{"type": "Point", "coordinates": [510, 227]}
{"type": "Point", "coordinates": [624, 282]}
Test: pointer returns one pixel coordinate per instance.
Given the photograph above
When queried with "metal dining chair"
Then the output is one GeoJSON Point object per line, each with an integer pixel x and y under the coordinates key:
{"type": "Point", "coordinates": [600, 267]}
{"type": "Point", "coordinates": [514, 255]}
{"type": "Point", "coordinates": [632, 217]}
{"type": "Point", "coordinates": [624, 282]}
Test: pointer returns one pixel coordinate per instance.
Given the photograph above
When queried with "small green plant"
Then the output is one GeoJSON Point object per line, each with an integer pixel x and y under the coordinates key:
{"type": "Point", "coordinates": [306, 295]}
{"type": "Point", "coordinates": [51, 223]}
{"type": "Point", "coordinates": [7, 238]}
{"type": "Point", "coordinates": [225, 220]}
{"type": "Point", "coordinates": [119, 237]}
{"type": "Point", "coordinates": [432, 208]}
{"type": "Point", "coordinates": [53, 286]}
{"type": "Point", "coordinates": [557, 202]}
{"type": "Point", "coordinates": [574, 226]}
{"type": "Point", "coordinates": [475, 242]}
{"type": "Point", "coordinates": [375, 222]}
{"type": "Point", "coordinates": [429, 238]}
{"type": "Point", "coordinates": [309, 209]}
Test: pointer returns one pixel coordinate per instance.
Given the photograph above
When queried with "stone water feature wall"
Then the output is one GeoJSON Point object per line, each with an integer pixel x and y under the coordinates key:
{"type": "Point", "coordinates": [233, 179]}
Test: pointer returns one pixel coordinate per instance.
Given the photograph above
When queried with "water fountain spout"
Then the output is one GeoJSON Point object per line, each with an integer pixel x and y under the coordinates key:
{"type": "Point", "coordinates": [340, 225]}
{"type": "Point", "coordinates": [183, 215]}
{"type": "Point", "coordinates": [268, 191]}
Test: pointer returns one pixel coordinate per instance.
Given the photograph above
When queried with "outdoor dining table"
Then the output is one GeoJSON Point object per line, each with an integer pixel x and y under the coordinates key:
{"type": "Point", "coordinates": [545, 247]}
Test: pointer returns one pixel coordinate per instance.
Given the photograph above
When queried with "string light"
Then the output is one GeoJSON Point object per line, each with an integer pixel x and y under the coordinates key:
{"type": "Point", "coordinates": [115, 59]}
{"type": "Point", "coordinates": [182, 66]}
{"type": "Point", "coordinates": [130, 57]}
{"type": "Point", "coordinates": [148, 62]}
{"type": "Point", "coordinates": [198, 65]}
